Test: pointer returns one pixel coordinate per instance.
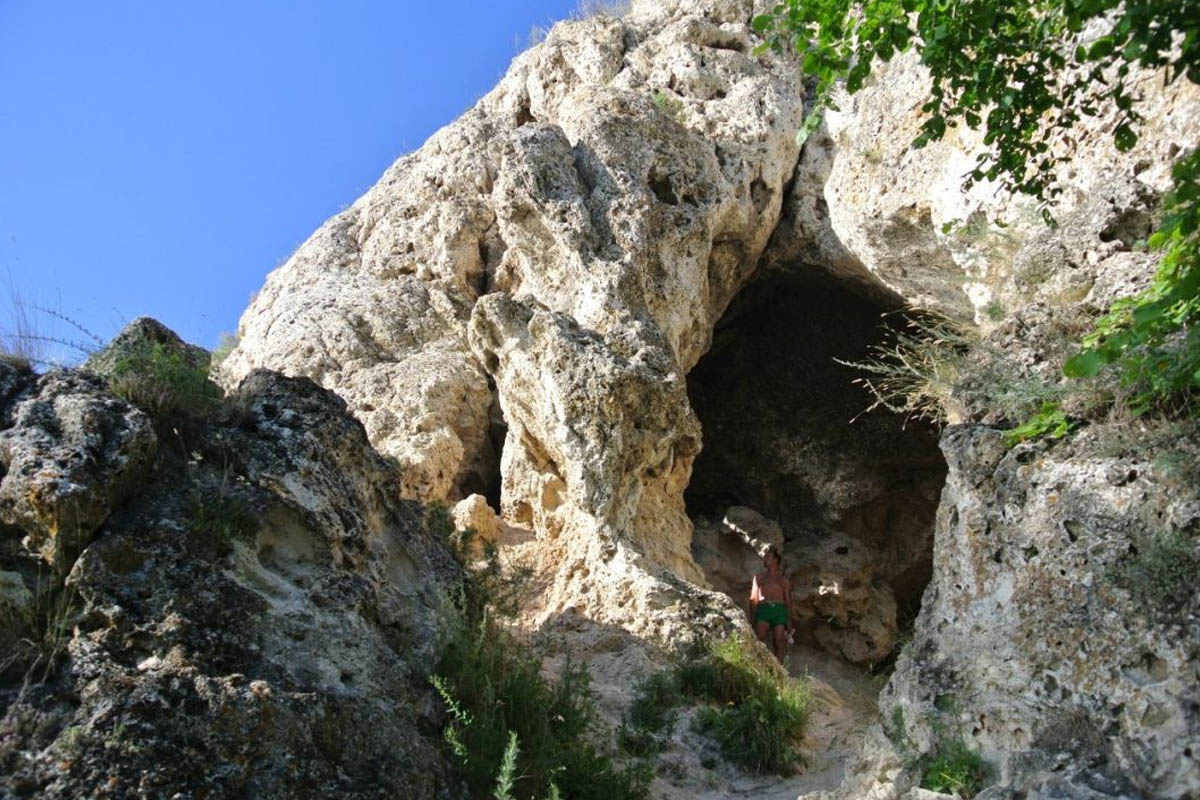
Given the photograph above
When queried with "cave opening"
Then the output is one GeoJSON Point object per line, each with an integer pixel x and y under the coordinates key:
{"type": "Point", "coordinates": [851, 504]}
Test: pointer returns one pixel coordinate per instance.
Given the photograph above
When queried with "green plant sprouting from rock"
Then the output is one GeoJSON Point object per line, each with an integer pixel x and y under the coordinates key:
{"type": "Point", "coordinates": [165, 382]}
{"type": "Point", "coordinates": [756, 715]}
{"type": "Point", "coordinates": [914, 372]}
{"type": "Point", "coordinates": [513, 733]}
{"type": "Point", "coordinates": [950, 766]}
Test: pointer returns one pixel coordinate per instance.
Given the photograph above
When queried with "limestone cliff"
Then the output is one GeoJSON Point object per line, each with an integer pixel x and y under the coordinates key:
{"type": "Point", "coordinates": [607, 302]}
{"type": "Point", "coordinates": [535, 304]}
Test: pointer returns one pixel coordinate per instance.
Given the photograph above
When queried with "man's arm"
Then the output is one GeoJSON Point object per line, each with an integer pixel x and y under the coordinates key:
{"type": "Point", "coordinates": [755, 593]}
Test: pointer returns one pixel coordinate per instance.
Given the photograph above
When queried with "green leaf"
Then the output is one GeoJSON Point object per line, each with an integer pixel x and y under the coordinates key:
{"type": "Point", "coordinates": [1143, 315]}
{"type": "Point", "coordinates": [1125, 137]}
{"type": "Point", "coordinates": [1085, 364]}
{"type": "Point", "coordinates": [1100, 48]}
{"type": "Point", "coordinates": [763, 22]}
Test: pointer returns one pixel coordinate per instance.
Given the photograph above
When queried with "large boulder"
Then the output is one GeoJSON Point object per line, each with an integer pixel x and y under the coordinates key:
{"type": "Point", "coordinates": [259, 621]}
{"type": "Point", "coordinates": [1059, 633]}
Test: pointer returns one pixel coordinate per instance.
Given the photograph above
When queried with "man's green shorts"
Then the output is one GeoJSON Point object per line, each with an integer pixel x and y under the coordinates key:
{"type": "Point", "coordinates": [771, 613]}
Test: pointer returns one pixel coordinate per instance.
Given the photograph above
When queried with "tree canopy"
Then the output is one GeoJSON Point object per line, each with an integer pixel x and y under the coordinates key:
{"type": "Point", "coordinates": [1027, 73]}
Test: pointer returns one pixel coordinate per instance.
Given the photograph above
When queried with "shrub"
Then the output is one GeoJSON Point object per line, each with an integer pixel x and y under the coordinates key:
{"type": "Point", "coordinates": [165, 383]}
{"type": "Point", "coordinates": [914, 373]}
{"type": "Point", "coordinates": [762, 717]}
{"type": "Point", "coordinates": [48, 624]}
{"type": "Point", "coordinates": [225, 345]}
{"type": "Point", "coordinates": [951, 766]}
{"type": "Point", "coordinates": [494, 690]}
{"type": "Point", "coordinates": [512, 732]}
{"type": "Point", "coordinates": [759, 716]}
{"type": "Point", "coordinates": [954, 768]}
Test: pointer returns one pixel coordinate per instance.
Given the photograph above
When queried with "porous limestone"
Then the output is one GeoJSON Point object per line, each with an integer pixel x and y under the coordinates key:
{"type": "Point", "coordinates": [71, 454]}
{"type": "Point", "coordinates": [258, 621]}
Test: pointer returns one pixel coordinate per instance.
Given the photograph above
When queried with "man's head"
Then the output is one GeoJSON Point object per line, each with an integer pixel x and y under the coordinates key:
{"type": "Point", "coordinates": [772, 558]}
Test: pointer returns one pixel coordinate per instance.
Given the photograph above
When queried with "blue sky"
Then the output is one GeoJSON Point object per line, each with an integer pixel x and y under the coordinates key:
{"type": "Point", "coordinates": [161, 157]}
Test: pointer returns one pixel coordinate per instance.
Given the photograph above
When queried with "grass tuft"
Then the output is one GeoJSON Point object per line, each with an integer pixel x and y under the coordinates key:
{"type": "Point", "coordinates": [756, 715]}
{"type": "Point", "coordinates": [165, 383]}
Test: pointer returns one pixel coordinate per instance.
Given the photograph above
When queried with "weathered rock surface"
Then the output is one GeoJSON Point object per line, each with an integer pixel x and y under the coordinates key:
{"type": "Point", "coordinates": [1030, 643]}
{"type": "Point", "coordinates": [72, 453]}
{"type": "Point", "coordinates": [565, 251]}
{"type": "Point", "coordinates": [1047, 638]}
{"type": "Point", "coordinates": [139, 337]}
{"type": "Point", "coordinates": [256, 622]}
{"type": "Point", "coordinates": [571, 239]}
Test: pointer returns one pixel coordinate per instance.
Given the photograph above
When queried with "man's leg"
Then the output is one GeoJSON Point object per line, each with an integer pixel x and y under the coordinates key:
{"type": "Point", "coordinates": [762, 629]}
{"type": "Point", "coordinates": [779, 640]}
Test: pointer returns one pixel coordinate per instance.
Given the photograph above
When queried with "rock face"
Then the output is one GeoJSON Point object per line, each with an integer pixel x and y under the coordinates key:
{"type": "Point", "coordinates": [70, 452]}
{"type": "Point", "coordinates": [1060, 630]}
{"type": "Point", "coordinates": [257, 621]}
{"type": "Point", "coordinates": [572, 240]}
{"type": "Point", "coordinates": [541, 306]}
{"type": "Point", "coordinates": [1039, 641]}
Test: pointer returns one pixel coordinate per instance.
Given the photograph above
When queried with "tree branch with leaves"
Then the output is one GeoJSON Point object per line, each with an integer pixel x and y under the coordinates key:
{"type": "Point", "coordinates": [1018, 71]}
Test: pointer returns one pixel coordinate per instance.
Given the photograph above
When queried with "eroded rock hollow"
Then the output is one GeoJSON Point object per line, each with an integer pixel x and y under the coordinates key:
{"type": "Point", "coordinates": [787, 433]}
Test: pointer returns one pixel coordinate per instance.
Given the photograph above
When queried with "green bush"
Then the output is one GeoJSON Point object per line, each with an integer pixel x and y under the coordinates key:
{"type": "Point", "coordinates": [954, 768]}
{"type": "Point", "coordinates": [225, 345]}
{"type": "Point", "coordinates": [165, 383]}
{"type": "Point", "coordinates": [951, 766]}
{"type": "Point", "coordinates": [512, 732]}
{"type": "Point", "coordinates": [494, 690]}
{"type": "Point", "coordinates": [758, 717]}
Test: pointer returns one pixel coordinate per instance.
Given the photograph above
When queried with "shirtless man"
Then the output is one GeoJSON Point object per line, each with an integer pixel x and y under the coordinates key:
{"type": "Point", "coordinates": [771, 604]}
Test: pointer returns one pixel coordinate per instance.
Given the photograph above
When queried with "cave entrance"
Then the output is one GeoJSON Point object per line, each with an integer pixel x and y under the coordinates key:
{"type": "Point", "coordinates": [852, 504]}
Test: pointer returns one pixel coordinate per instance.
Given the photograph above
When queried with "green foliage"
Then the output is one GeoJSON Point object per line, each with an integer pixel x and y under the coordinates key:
{"type": "Point", "coordinates": [495, 587]}
{"type": "Point", "coordinates": [225, 345]}
{"type": "Point", "coordinates": [512, 732]}
{"type": "Point", "coordinates": [1153, 337]}
{"type": "Point", "coordinates": [669, 104]}
{"type": "Point", "coordinates": [1000, 65]}
{"type": "Point", "coordinates": [494, 690]}
{"type": "Point", "coordinates": [1050, 421]}
{"type": "Point", "coordinates": [951, 767]}
{"type": "Point", "coordinates": [220, 517]}
{"type": "Point", "coordinates": [45, 626]}
{"type": "Point", "coordinates": [758, 719]}
{"type": "Point", "coordinates": [165, 383]}
{"type": "Point", "coordinates": [1011, 68]}
{"type": "Point", "coordinates": [654, 704]}
{"type": "Point", "coordinates": [954, 768]}
{"type": "Point", "coordinates": [508, 765]}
